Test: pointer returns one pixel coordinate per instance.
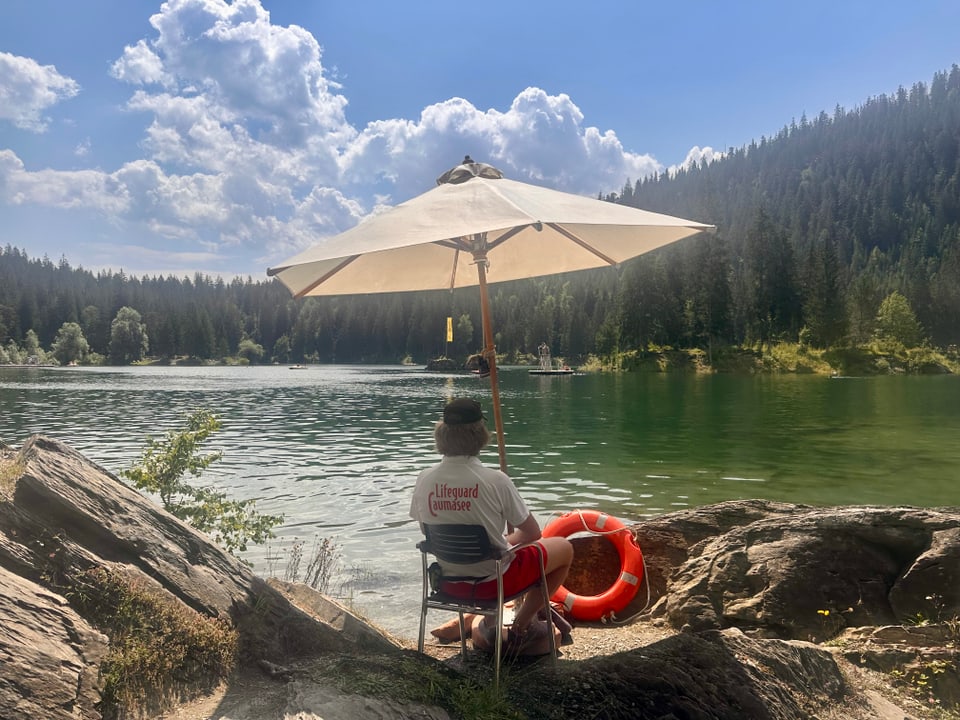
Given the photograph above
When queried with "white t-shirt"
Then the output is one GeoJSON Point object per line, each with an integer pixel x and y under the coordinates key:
{"type": "Point", "coordinates": [463, 491]}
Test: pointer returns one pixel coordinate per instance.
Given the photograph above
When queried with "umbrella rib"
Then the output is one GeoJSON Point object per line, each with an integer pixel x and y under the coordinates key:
{"type": "Point", "coordinates": [452, 244]}
{"type": "Point", "coordinates": [582, 243]}
{"type": "Point", "coordinates": [506, 236]}
{"type": "Point", "coordinates": [453, 271]}
{"type": "Point", "coordinates": [327, 276]}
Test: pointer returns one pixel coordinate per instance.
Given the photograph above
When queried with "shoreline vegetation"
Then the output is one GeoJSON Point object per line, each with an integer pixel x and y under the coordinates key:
{"type": "Point", "coordinates": [787, 358]}
{"type": "Point", "coordinates": [875, 358]}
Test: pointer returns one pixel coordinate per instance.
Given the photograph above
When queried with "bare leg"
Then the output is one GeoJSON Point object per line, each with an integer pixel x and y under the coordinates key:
{"type": "Point", "coordinates": [450, 631]}
{"type": "Point", "coordinates": [559, 559]}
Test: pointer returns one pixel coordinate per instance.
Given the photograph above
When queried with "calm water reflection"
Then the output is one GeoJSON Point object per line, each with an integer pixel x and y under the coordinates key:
{"type": "Point", "coordinates": [336, 449]}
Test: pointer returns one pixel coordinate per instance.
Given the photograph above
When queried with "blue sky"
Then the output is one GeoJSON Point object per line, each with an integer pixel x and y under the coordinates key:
{"type": "Point", "coordinates": [207, 136]}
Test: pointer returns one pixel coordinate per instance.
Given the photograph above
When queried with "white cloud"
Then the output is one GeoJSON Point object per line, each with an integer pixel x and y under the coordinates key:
{"type": "Point", "coordinates": [140, 65]}
{"type": "Point", "coordinates": [28, 88]}
{"type": "Point", "coordinates": [248, 147]}
{"type": "Point", "coordinates": [245, 67]}
{"type": "Point", "coordinates": [150, 256]}
{"type": "Point", "coordinates": [695, 156]}
{"type": "Point", "coordinates": [541, 138]}
{"type": "Point", "coordinates": [65, 189]}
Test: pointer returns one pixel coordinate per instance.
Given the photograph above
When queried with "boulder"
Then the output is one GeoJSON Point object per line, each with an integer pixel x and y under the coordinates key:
{"type": "Point", "coordinates": [882, 583]}
{"type": "Point", "coordinates": [666, 543]}
{"type": "Point", "coordinates": [49, 655]}
{"type": "Point", "coordinates": [799, 572]}
{"type": "Point", "coordinates": [701, 676]}
{"type": "Point", "coordinates": [62, 517]}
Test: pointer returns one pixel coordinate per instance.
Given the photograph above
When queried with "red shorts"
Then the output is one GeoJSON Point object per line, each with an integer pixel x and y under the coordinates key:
{"type": "Point", "coordinates": [523, 572]}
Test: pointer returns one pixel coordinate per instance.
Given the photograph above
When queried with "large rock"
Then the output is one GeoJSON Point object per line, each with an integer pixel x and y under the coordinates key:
{"type": "Point", "coordinates": [62, 515]}
{"type": "Point", "coordinates": [666, 542]}
{"type": "Point", "coordinates": [801, 572]}
{"type": "Point", "coordinates": [710, 676]}
{"type": "Point", "coordinates": [49, 655]}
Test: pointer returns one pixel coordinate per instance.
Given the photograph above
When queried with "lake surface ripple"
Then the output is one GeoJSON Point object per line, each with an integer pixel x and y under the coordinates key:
{"type": "Point", "coordinates": [336, 449]}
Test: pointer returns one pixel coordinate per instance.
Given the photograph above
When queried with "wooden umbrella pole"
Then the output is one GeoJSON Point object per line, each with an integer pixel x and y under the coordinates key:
{"type": "Point", "coordinates": [490, 353]}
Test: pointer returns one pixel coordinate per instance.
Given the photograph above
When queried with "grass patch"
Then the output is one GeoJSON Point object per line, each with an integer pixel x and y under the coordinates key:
{"type": "Point", "coordinates": [159, 649]}
{"type": "Point", "coordinates": [413, 678]}
{"type": "Point", "coordinates": [592, 363]}
{"type": "Point", "coordinates": [654, 359]}
{"type": "Point", "coordinates": [795, 358]}
{"type": "Point", "coordinates": [10, 472]}
{"type": "Point", "coordinates": [727, 359]}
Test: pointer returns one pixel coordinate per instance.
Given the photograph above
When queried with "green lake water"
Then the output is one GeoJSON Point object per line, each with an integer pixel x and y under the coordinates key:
{"type": "Point", "coordinates": [336, 449]}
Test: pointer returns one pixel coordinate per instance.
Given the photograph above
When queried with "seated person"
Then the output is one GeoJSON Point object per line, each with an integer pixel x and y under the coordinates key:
{"type": "Point", "coordinates": [461, 490]}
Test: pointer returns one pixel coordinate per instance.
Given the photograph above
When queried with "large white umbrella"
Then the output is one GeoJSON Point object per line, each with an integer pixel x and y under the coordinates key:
{"type": "Point", "coordinates": [509, 230]}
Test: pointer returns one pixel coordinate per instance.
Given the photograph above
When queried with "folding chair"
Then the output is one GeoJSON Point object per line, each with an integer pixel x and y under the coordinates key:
{"type": "Point", "coordinates": [465, 544]}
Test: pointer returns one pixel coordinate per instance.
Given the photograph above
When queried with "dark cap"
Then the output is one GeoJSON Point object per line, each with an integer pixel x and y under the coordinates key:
{"type": "Point", "coordinates": [462, 412]}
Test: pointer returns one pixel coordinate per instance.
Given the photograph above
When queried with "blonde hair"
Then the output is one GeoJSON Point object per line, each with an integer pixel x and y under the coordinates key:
{"type": "Point", "coordinates": [468, 439]}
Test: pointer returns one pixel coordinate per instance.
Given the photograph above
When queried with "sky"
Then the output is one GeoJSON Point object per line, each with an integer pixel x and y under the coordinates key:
{"type": "Point", "coordinates": [170, 138]}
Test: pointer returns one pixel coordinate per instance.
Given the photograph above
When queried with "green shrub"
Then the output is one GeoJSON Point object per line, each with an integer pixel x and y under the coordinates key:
{"type": "Point", "coordinates": [163, 463]}
{"type": "Point", "coordinates": [10, 472]}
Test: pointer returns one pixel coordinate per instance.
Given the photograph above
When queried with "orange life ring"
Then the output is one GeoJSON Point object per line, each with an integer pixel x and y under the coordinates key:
{"type": "Point", "coordinates": [624, 589]}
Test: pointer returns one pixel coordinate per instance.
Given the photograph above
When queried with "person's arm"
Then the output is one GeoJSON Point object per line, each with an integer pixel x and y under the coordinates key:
{"type": "Point", "coordinates": [526, 532]}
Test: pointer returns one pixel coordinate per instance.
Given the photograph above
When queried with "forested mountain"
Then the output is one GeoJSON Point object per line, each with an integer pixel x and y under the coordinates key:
{"type": "Point", "coordinates": [834, 214]}
{"type": "Point", "coordinates": [817, 226]}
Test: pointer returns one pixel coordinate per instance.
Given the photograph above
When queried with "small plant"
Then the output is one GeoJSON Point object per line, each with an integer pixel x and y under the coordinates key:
{"type": "Point", "coordinates": [920, 680]}
{"type": "Point", "coordinates": [163, 463]}
{"type": "Point", "coordinates": [832, 621]}
{"type": "Point", "coordinates": [920, 618]}
{"type": "Point", "coordinates": [953, 630]}
{"type": "Point", "coordinates": [324, 560]}
{"type": "Point", "coordinates": [938, 603]}
{"type": "Point", "coordinates": [10, 472]}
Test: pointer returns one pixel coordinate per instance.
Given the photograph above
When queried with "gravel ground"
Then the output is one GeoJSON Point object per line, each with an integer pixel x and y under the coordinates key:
{"type": "Point", "coordinates": [255, 697]}
{"type": "Point", "coordinates": [588, 640]}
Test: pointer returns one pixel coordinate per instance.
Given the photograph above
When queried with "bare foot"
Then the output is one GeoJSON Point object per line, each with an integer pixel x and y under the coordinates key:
{"type": "Point", "coordinates": [450, 631]}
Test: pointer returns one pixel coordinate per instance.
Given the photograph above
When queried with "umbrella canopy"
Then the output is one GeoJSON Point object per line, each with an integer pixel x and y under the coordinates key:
{"type": "Point", "coordinates": [476, 217]}
{"type": "Point", "coordinates": [429, 242]}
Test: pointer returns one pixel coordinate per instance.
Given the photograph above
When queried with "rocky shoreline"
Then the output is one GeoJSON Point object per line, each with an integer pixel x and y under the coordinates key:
{"type": "Point", "coordinates": [756, 610]}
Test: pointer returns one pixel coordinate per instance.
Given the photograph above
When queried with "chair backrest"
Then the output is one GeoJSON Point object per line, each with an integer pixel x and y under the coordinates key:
{"type": "Point", "coordinates": [459, 544]}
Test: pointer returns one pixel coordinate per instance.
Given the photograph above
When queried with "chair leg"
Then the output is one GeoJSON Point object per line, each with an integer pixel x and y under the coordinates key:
{"type": "Point", "coordinates": [546, 607]}
{"type": "Point", "coordinates": [498, 648]}
{"type": "Point", "coordinates": [463, 638]}
{"type": "Point", "coordinates": [549, 614]}
{"type": "Point", "coordinates": [423, 627]}
{"type": "Point", "coordinates": [423, 604]}
{"type": "Point", "coordinates": [498, 643]}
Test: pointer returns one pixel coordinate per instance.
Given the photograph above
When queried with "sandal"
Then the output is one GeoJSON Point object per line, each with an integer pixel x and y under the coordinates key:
{"type": "Point", "coordinates": [513, 644]}
{"type": "Point", "coordinates": [484, 637]}
{"type": "Point", "coordinates": [518, 640]}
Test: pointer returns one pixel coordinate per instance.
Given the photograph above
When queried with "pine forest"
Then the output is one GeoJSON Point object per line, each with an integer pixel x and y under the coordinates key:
{"type": "Point", "coordinates": [841, 231]}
